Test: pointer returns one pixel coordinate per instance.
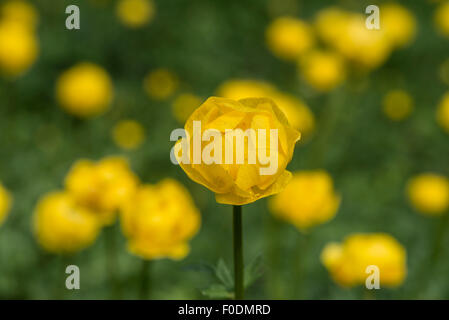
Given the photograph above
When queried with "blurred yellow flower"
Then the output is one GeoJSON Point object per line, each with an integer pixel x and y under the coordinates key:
{"type": "Point", "coordinates": [19, 11]}
{"type": "Point", "coordinates": [322, 70]}
{"type": "Point", "coordinates": [298, 114]}
{"type": "Point", "coordinates": [398, 22]}
{"type": "Point", "coordinates": [5, 203]}
{"type": "Point", "coordinates": [63, 226]}
{"type": "Point", "coordinates": [160, 220]}
{"type": "Point", "coordinates": [104, 186]}
{"type": "Point", "coordinates": [442, 18]}
{"type": "Point", "coordinates": [288, 37]}
{"type": "Point", "coordinates": [330, 24]}
{"type": "Point", "coordinates": [85, 90]}
{"type": "Point", "coordinates": [397, 105]}
{"type": "Point", "coordinates": [243, 183]}
{"type": "Point", "coordinates": [18, 48]}
{"type": "Point", "coordinates": [308, 200]}
{"type": "Point", "coordinates": [429, 193]}
{"type": "Point", "coordinates": [443, 113]}
{"type": "Point", "coordinates": [128, 134]}
{"type": "Point", "coordinates": [160, 84]}
{"type": "Point", "coordinates": [347, 262]}
{"type": "Point", "coordinates": [184, 105]}
{"type": "Point", "coordinates": [135, 13]}
{"type": "Point", "coordinates": [444, 72]}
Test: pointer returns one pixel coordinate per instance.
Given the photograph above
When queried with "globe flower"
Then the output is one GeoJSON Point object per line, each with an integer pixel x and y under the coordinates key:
{"type": "Point", "coordinates": [160, 220]}
{"type": "Point", "coordinates": [298, 114]}
{"type": "Point", "coordinates": [135, 13]}
{"type": "Point", "coordinates": [104, 186]}
{"type": "Point", "coordinates": [289, 37]}
{"type": "Point", "coordinates": [20, 12]}
{"type": "Point", "coordinates": [18, 48]}
{"type": "Point", "coordinates": [308, 200]}
{"type": "Point", "coordinates": [322, 70]}
{"type": "Point", "coordinates": [399, 24]}
{"type": "Point", "coordinates": [62, 226]}
{"type": "Point", "coordinates": [443, 113]}
{"type": "Point", "coordinates": [85, 90]}
{"type": "Point", "coordinates": [184, 105]}
{"type": "Point", "coordinates": [160, 84]}
{"type": "Point", "coordinates": [347, 261]}
{"type": "Point", "coordinates": [241, 181]}
{"type": "Point", "coordinates": [5, 203]}
{"type": "Point", "coordinates": [441, 18]}
{"type": "Point", "coordinates": [429, 193]}
{"type": "Point", "coordinates": [397, 105]}
{"type": "Point", "coordinates": [330, 24]}
{"type": "Point", "coordinates": [128, 134]}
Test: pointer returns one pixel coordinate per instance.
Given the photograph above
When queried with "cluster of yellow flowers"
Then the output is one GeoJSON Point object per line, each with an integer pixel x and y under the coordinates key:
{"type": "Point", "coordinates": [347, 262]}
{"type": "Point", "coordinates": [346, 40]}
{"type": "Point", "coordinates": [297, 112]}
{"type": "Point", "coordinates": [429, 193]}
{"type": "Point", "coordinates": [5, 203]}
{"type": "Point", "coordinates": [95, 192]}
{"type": "Point", "coordinates": [18, 42]}
{"type": "Point", "coordinates": [308, 200]}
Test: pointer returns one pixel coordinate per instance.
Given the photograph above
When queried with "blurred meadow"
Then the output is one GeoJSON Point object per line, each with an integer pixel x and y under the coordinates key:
{"type": "Point", "coordinates": [369, 103]}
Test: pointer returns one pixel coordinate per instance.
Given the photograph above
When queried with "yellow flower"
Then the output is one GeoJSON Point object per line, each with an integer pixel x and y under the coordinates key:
{"type": "Point", "coordinates": [289, 37]}
{"type": "Point", "coordinates": [104, 186]}
{"type": "Point", "coordinates": [5, 203]}
{"type": "Point", "coordinates": [443, 113]}
{"type": "Point", "coordinates": [330, 24]}
{"type": "Point", "coordinates": [322, 70]}
{"type": "Point", "coordinates": [128, 134]}
{"type": "Point", "coordinates": [398, 22]}
{"type": "Point", "coordinates": [298, 114]}
{"type": "Point", "coordinates": [160, 220]}
{"type": "Point", "coordinates": [429, 193]}
{"type": "Point", "coordinates": [397, 105]}
{"type": "Point", "coordinates": [85, 90]}
{"type": "Point", "coordinates": [160, 84]}
{"type": "Point", "coordinates": [442, 18]}
{"type": "Point", "coordinates": [347, 262]}
{"type": "Point", "coordinates": [63, 226]}
{"type": "Point", "coordinates": [241, 181]}
{"type": "Point", "coordinates": [135, 13]}
{"type": "Point", "coordinates": [184, 105]}
{"type": "Point", "coordinates": [19, 11]}
{"type": "Point", "coordinates": [308, 200]}
{"type": "Point", "coordinates": [18, 48]}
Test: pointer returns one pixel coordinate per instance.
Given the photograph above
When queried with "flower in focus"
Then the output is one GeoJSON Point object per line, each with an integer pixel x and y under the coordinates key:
{"type": "Point", "coordinates": [128, 134]}
{"type": "Point", "coordinates": [160, 220]}
{"type": "Point", "coordinates": [85, 90]}
{"type": "Point", "coordinates": [429, 193]}
{"type": "Point", "coordinates": [442, 18]}
{"type": "Point", "coordinates": [5, 203]}
{"type": "Point", "coordinates": [443, 113]}
{"type": "Point", "coordinates": [322, 70]}
{"type": "Point", "coordinates": [135, 13]}
{"type": "Point", "coordinates": [160, 84]}
{"type": "Point", "coordinates": [18, 47]}
{"type": "Point", "coordinates": [289, 37]}
{"type": "Point", "coordinates": [240, 183]}
{"type": "Point", "coordinates": [308, 200]}
{"type": "Point", "coordinates": [104, 186]}
{"type": "Point", "coordinates": [61, 225]}
{"type": "Point", "coordinates": [184, 105]}
{"type": "Point", "coordinates": [399, 24]}
{"type": "Point", "coordinates": [347, 261]}
{"type": "Point", "coordinates": [298, 114]}
{"type": "Point", "coordinates": [397, 105]}
{"type": "Point", "coordinates": [20, 12]}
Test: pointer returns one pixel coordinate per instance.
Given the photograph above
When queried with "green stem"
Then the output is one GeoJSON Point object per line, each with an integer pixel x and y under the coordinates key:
{"type": "Point", "coordinates": [145, 280]}
{"type": "Point", "coordinates": [238, 253]}
{"type": "Point", "coordinates": [440, 233]}
{"type": "Point", "coordinates": [302, 249]}
{"type": "Point", "coordinates": [111, 262]}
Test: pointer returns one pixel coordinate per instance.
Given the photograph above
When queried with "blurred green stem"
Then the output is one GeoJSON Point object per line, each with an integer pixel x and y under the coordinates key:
{"type": "Point", "coordinates": [238, 253]}
{"type": "Point", "coordinates": [300, 265]}
{"type": "Point", "coordinates": [439, 237]}
{"type": "Point", "coordinates": [111, 262]}
{"type": "Point", "coordinates": [145, 280]}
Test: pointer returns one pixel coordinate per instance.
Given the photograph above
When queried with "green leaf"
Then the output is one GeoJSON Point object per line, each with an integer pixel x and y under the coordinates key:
{"type": "Point", "coordinates": [253, 271]}
{"type": "Point", "coordinates": [217, 291]}
{"type": "Point", "coordinates": [224, 275]}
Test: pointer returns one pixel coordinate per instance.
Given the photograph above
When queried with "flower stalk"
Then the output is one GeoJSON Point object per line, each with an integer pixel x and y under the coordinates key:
{"type": "Point", "coordinates": [238, 253]}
